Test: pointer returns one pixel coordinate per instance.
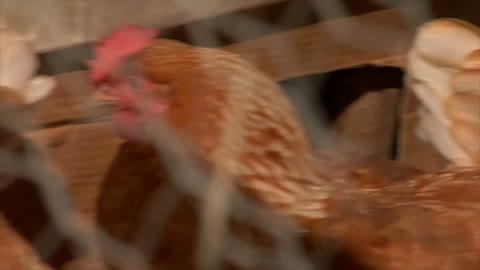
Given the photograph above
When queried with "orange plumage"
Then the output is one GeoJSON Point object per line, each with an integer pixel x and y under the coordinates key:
{"type": "Point", "coordinates": [236, 120]}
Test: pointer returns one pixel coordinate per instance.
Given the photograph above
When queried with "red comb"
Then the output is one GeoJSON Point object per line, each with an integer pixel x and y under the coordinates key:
{"type": "Point", "coordinates": [118, 45]}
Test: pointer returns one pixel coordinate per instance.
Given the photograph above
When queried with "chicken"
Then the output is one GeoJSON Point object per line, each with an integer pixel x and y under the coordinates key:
{"type": "Point", "coordinates": [443, 71]}
{"type": "Point", "coordinates": [235, 121]}
{"type": "Point", "coordinates": [18, 66]}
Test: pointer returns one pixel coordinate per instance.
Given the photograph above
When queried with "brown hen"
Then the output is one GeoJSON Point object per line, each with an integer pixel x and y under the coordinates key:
{"type": "Point", "coordinates": [237, 121]}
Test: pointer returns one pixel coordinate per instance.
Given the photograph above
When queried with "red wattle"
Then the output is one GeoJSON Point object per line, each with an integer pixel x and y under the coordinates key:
{"type": "Point", "coordinates": [127, 124]}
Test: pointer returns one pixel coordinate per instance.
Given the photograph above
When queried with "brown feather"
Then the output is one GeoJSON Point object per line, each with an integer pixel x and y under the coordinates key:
{"type": "Point", "coordinates": [237, 119]}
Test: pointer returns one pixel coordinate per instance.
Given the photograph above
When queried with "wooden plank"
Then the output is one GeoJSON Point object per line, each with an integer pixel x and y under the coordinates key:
{"type": "Point", "coordinates": [399, 61]}
{"type": "Point", "coordinates": [216, 31]}
{"type": "Point", "coordinates": [83, 153]}
{"type": "Point", "coordinates": [69, 102]}
{"type": "Point", "coordinates": [328, 46]}
{"type": "Point", "coordinates": [312, 50]}
{"type": "Point", "coordinates": [78, 21]}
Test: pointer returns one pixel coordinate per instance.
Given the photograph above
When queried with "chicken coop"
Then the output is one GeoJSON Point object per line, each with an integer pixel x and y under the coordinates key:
{"type": "Point", "coordinates": [345, 67]}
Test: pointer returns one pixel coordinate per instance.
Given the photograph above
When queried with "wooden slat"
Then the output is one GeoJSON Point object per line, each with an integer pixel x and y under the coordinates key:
{"type": "Point", "coordinates": [315, 49]}
{"type": "Point", "coordinates": [311, 50]}
{"type": "Point", "coordinates": [391, 61]}
{"type": "Point", "coordinates": [83, 153]}
{"type": "Point", "coordinates": [69, 102]}
{"type": "Point", "coordinates": [58, 23]}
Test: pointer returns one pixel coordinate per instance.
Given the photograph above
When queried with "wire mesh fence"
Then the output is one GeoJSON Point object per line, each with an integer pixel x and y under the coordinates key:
{"type": "Point", "coordinates": [224, 227]}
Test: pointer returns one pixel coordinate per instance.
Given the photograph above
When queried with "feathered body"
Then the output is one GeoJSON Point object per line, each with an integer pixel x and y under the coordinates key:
{"type": "Point", "coordinates": [18, 67]}
{"type": "Point", "coordinates": [237, 120]}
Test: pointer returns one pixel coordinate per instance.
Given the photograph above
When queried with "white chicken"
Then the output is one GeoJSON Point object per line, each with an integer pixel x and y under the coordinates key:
{"type": "Point", "coordinates": [18, 67]}
{"type": "Point", "coordinates": [444, 73]}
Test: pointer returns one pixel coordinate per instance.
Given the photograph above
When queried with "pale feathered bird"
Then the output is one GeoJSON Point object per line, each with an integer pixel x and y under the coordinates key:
{"type": "Point", "coordinates": [19, 65]}
{"type": "Point", "coordinates": [443, 71]}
